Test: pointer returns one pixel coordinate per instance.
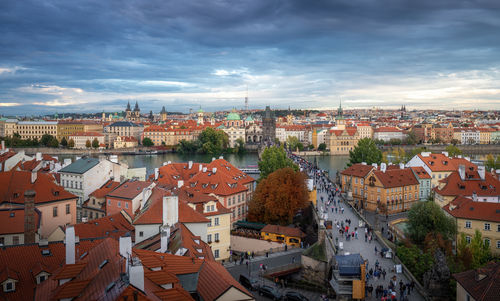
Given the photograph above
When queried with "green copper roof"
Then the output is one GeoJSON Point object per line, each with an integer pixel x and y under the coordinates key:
{"type": "Point", "coordinates": [81, 166]}
{"type": "Point", "coordinates": [249, 118]}
{"type": "Point", "coordinates": [233, 116]}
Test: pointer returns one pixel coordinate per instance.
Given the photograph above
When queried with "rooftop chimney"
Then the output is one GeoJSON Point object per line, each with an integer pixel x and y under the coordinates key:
{"type": "Point", "coordinates": [126, 248]}
{"type": "Point", "coordinates": [461, 171]}
{"type": "Point", "coordinates": [445, 153]}
{"type": "Point", "coordinates": [67, 162]}
{"type": "Point", "coordinates": [221, 157]}
{"type": "Point", "coordinates": [38, 156]}
{"type": "Point", "coordinates": [34, 176]}
{"type": "Point", "coordinates": [170, 210]}
{"type": "Point", "coordinates": [113, 158]}
{"type": "Point", "coordinates": [401, 166]}
{"type": "Point", "coordinates": [3, 145]}
{"type": "Point", "coordinates": [165, 236]}
{"type": "Point", "coordinates": [169, 162]}
{"type": "Point", "coordinates": [165, 163]}
{"type": "Point", "coordinates": [214, 170]}
{"type": "Point", "coordinates": [425, 154]}
{"type": "Point", "coordinates": [157, 173]}
{"type": "Point", "coordinates": [481, 170]}
{"type": "Point", "coordinates": [375, 165]}
{"type": "Point", "coordinates": [180, 183]}
{"type": "Point", "coordinates": [70, 245]}
{"type": "Point", "coordinates": [200, 167]}
{"type": "Point", "coordinates": [383, 167]}
{"type": "Point", "coordinates": [213, 158]}
{"type": "Point", "coordinates": [29, 217]}
{"type": "Point", "coordinates": [190, 164]}
{"type": "Point", "coordinates": [136, 274]}
{"type": "Point", "coordinates": [363, 163]}
{"type": "Point", "coordinates": [204, 169]}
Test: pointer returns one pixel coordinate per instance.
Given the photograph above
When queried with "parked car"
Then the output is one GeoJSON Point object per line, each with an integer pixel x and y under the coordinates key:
{"type": "Point", "coordinates": [269, 292]}
{"type": "Point", "coordinates": [249, 283]}
{"type": "Point", "coordinates": [294, 296]}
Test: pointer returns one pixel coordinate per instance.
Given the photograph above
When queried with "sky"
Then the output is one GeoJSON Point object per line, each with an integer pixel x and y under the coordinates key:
{"type": "Point", "coordinates": [93, 56]}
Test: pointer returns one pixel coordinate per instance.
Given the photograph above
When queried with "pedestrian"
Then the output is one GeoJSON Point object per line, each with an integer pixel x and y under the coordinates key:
{"type": "Point", "coordinates": [376, 250]}
{"type": "Point", "coordinates": [282, 283]}
{"type": "Point", "coordinates": [246, 263]}
{"type": "Point", "coordinates": [383, 273]}
{"type": "Point", "coordinates": [356, 234]}
{"type": "Point", "coordinates": [276, 281]}
{"type": "Point", "coordinates": [366, 237]}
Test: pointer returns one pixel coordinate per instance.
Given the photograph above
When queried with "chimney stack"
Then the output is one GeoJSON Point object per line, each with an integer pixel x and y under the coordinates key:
{"type": "Point", "coordinates": [375, 165]}
{"type": "Point", "coordinates": [221, 157]}
{"type": "Point", "coordinates": [165, 236]}
{"type": "Point", "coordinates": [29, 217]}
{"type": "Point", "coordinates": [157, 173]}
{"type": "Point", "coordinates": [170, 210]}
{"type": "Point", "coordinates": [401, 166]}
{"type": "Point", "coordinates": [190, 164]}
{"type": "Point", "coordinates": [70, 245]}
{"type": "Point", "coordinates": [481, 170]}
{"type": "Point", "coordinates": [180, 183]}
{"type": "Point", "coordinates": [214, 170]}
{"type": "Point", "coordinates": [38, 156]}
{"type": "Point", "coordinates": [3, 145]}
{"type": "Point", "coordinates": [383, 167]}
{"type": "Point", "coordinates": [136, 274]}
{"type": "Point", "coordinates": [200, 167]}
{"type": "Point", "coordinates": [213, 159]}
{"type": "Point", "coordinates": [461, 171]}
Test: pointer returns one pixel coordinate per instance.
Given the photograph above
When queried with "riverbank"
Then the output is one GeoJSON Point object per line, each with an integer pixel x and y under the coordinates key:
{"type": "Point", "coordinates": [92, 152]}
{"type": "Point", "coordinates": [467, 149]}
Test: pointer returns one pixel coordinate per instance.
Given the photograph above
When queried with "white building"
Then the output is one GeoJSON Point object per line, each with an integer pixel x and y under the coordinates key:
{"type": "Point", "coordinates": [81, 139]}
{"type": "Point", "coordinates": [469, 136]}
{"type": "Point", "coordinates": [388, 133]}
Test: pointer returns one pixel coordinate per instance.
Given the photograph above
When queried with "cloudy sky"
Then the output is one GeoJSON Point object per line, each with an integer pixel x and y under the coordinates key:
{"type": "Point", "coordinates": [69, 56]}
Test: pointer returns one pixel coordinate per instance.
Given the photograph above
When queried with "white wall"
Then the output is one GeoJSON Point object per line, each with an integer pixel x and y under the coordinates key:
{"type": "Point", "coordinates": [148, 230]}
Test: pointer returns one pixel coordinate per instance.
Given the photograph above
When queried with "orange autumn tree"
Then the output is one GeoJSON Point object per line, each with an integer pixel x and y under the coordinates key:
{"type": "Point", "coordinates": [278, 197]}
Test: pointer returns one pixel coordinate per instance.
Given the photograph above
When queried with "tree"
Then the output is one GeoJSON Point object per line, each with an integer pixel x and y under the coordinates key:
{"type": "Point", "coordinates": [188, 147]}
{"type": "Point", "coordinates": [411, 138]}
{"type": "Point", "coordinates": [365, 151]}
{"type": "Point", "coordinates": [491, 163]}
{"type": "Point", "coordinates": [147, 142]}
{"type": "Point", "coordinates": [46, 139]}
{"type": "Point", "coordinates": [278, 197]}
{"type": "Point", "coordinates": [294, 143]}
{"type": "Point", "coordinates": [453, 151]}
{"type": "Point", "coordinates": [53, 142]}
{"type": "Point", "coordinates": [240, 146]}
{"type": "Point", "coordinates": [398, 155]}
{"type": "Point", "coordinates": [95, 143]}
{"type": "Point", "coordinates": [454, 141]}
{"type": "Point", "coordinates": [213, 141]}
{"type": "Point", "coordinates": [322, 147]}
{"type": "Point", "coordinates": [88, 144]}
{"type": "Point", "coordinates": [474, 254]}
{"type": "Point", "coordinates": [71, 143]}
{"type": "Point", "coordinates": [272, 159]}
{"type": "Point", "coordinates": [428, 217]}
{"type": "Point", "coordinates": [417, 261]}
{"type": "Point", "coordinates": [64, 142]}
{"type": "Point", "coordinates": [395, 141]}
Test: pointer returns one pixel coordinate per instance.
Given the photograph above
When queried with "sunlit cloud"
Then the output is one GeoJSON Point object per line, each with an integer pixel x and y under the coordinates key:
{"type": "Point", "coordinates": [9, 104]}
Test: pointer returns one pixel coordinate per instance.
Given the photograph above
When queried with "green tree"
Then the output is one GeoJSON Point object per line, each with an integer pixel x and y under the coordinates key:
{"type": "Point", "coordinates": [411, 138]}
{"type": "Point", "coordinates": [88, 144]}
{"type": "Point", "coordinates": [278, 197]}
{"type": "Point", "coordinates": [294, 143]}
{"type": "Point", "coordinates": [272, 159]}
{"type": "Point", "coordinates": [491, 163]}
{"type": "Point", "coordinates": [322, 147]}
{"type": "Point", "coordinates": [147, 142]}
{"type": "Point", "coordinates": [365, 151]}
{"type": "Point", "coordinates": [53, 142]}
{"type": "Point", "coordinates": [95, 143]}
{"type": "Point", "coordinates": [428, 217]}
{"type": "Point", "coordinates": [453, 151]}
{"type": "Point", "coordinates": [64, 142]}
{"type": "Point", "coordinates": [417, 261]}
{"type": "Point", "coordinates": [188, 147]}
{"type": "Point", "coordinates": [398, 155]}
{"type": "Point", "coordinates": [395, 141]}
{"type": "Point", "coordinates": [71, 143]}
{"type": "Point", "coordinates": [474, 254]}
{"type": "Point", "coordinates": [213, 141]}
{"type": "Point", "coordinates": [454, 141]}
{"type": "Point", "coordinates": [46, 139]}
{"type": "Point", "coordinates": [240, 146]}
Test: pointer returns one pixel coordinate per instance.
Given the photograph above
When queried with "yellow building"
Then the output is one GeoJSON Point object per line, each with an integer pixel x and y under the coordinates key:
{"type": "Point", "coordinates": [35, 129]}
{"type": "Point", "coordinates": [391, 190]}
{"type": "Point", "coordinates": [352, 180]}
{"type": "Point", "coordinates": [288, 235]}
{"type": "Point", "coordinates": [124, 142]}
{"type": "Point", "coordinates": [473, 215]}
{"type": "Point", "coordinates": [157, 134]}
{"type": "Point", "coordinates": [485, 135]}
{"type": "Point", "coordinates": [340, 142]}
{"type": "Point", "coordinates": [365, 131]}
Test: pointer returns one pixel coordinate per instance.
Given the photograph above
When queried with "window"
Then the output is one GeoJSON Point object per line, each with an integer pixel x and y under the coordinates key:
{"type": "Point", "coordinates": [498, 228]}
{"type": "Point", "coordinates": [126, 205]}
{"type": "Point", "coordinates": [141, 234]}
{"type": "Point", "coordinates": [361, 181]}
{"type": "Point", "coordinates": [41, 279]}
{"type": "Point", "coordinates": [498, 244]}
{"type": "Point", "coordinates": [68, 209]}
{"type": "Point", "coordinates": [487, 241]}
{"type": "Point", "coordinates": [487, 226]}
{"type": "Point", "coordinates": [54, 211]}
{"type": "Point", "coordinates": [356, 180]}
{"type": "Point", "coordinates": [216, 237]}
{"type": "Point", "coordinates": [216, 253]}
{"type": "Point", "coordinates": [9, 287]}
{"type": "Point", "coordinates": [216, 221]}
{"type": "Point", "coordinates": [15, 240]}
{"type": "Point", "coordinates": [109, 202]}
{"type": "Point", "coordinates": [468, 239]}
{"type": "Point", "coordinates": [209, 238]}
{"type": "Point", "coordinates": [209, 222]}
{"type": "Point", "coordinates": [467, 224]}
{"type": "Point", "coordinates": [119, 204]}
{"type": "Point", "coordinates": [2, 241]}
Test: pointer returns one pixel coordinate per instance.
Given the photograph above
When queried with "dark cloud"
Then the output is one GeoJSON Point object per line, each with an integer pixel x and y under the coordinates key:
{"type": "Point", "coordinates": [326, 47]}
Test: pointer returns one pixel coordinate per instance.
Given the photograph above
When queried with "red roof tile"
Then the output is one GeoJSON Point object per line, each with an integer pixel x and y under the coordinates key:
{"type": "Point", "coordinates": [421, 173]}
{"type": "Point", "coordinates": [129, 190]}
{"type": "Point", "coordinates": [396, 177]}
{"type": "Point", "coordinates": [440, 162]}
{"type": "Point", "coordinates": [212, 290]}
{"type": "Point", "coordinates": [455, 186]}
{"type": "Point", "coordinates": [174, 294]}
{"type": "Point", "coordinates": [462, 207]}
{"type": "Point", "coordinates": [288, 231]}
{"type": "Point", "coordinates": [105, 189]}
{"type": "Point", "coordinates": [12, 220]}
{"type": "Point", "coordinates": [482, 284]}
{"type": "Point", "coordinates": [114, 225]}
{"type": "Point", "coordinates": [357, 170]}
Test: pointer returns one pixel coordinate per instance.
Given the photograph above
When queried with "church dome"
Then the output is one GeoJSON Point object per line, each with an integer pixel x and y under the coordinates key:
{"type": "Point", "coordinates": [233, 116]}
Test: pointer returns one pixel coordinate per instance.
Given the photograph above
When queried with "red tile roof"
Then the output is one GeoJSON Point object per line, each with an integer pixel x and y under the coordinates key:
{"type": "Point", "coordinates": [421, 173]}
{"type": "Point", "coordinates": [348, 131]}
{"type": "Point", "coordinates": [27, 261]}
{"type": "Point", "coordinates": [482, 284]}
{"type": "Point", "coordinates": [5, 156]}
{"type": "Point", "coordinates": [462, 207]}
{"type": "Point", "coordinates": [129, 190]}
{"type": "Point", "coordinates": [27, 165]}
{"type": "Point", "coordinates": [174, 294]}
{"type": "Point", "coordinates": [101, 192]}
{"type": "Point", "coordinates": [15, 183]}
{"type": "Point", "coordinates": [357, 170]}
{"type": "Point", "coordinates": [288, 231]}
{"type": "Point", "coordinates": [115, 225]}
{"type": "Point", "coordinates": [87, 134]}
{"type": "Point", "coordinates": [440, 162]}
{"type": "Point", "coordinates": [396, 177]}
{"type": "Point", "coordinates": [387, 129]}
{"type": "Point", "coordinates": [455, 186]}
{"type": "Point", "coordinates": [212, 290]}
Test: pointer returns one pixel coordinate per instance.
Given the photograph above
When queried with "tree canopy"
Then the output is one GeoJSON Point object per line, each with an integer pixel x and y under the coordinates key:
{"type": "Point", "coordinates": [272, 159]}
{"type": "Point", "coordinates": [95, 143]}
{"type": "Point", "coordinates": [474, 254]}
{"type": "Point", "coordinates": [210, 141]}
{"type": "Point", "coordinates": [491, 162]}
{"type": "Point", "coordinates": [322, 146]}
{"type": "Point", "coordinates": [278, 197]}
{"type": "Point", "coordinates": [366, 151]}
{"type": "Point", "coordinates": [71, 143]}
{"type": "Point", "coordinates": [147, 142]}
{"type": "Point", "coordinates": [428, 217]}
{"type": "Point", "coordinates": [453, 151]}
{"type": "Point", "coordinates": [294, 143]}
{"type": "Point", "coordinates": [88, 144]}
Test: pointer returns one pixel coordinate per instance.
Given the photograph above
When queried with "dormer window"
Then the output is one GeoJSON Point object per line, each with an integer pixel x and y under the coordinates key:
{"type": "Point", "coordinates": [204, 185]}
{"type": "Point", "coordinates": [9, 286]}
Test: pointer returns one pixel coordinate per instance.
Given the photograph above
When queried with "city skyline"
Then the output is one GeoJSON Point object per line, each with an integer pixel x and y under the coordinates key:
{"type": "Point", "coordinates": [61, 56]}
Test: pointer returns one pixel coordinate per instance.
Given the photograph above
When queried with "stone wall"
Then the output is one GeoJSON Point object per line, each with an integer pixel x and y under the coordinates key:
{"type": "Point", "coordinates": [313, 270]}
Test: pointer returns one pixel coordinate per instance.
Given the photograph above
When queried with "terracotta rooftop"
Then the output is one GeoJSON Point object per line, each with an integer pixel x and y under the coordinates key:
{"type": "Point", "coordinates": [455, 186]}
{"type": "Point", "coordinates": [396, 177]}
{"type": "Point", "coordinates": [288, 231]}
{"type": "Point", "coordinates": [101, 192]}
{"type": "Point", "coordinates": [212, 290]}
{"type": "Point", "coordinates": [440, 162]}
{"type": "Point", "coordinates": [466, 208]}
{"type": "Point", "coordinates": [387, 129]}
{"type": "Point", "coordinates": [421, 173]}
{"type": "Point", "coordinates": [114, 225]}
{"type": "Point", "coordinates": [129, 189]}
{"type": "Point", "coordinates": [357, 170]}
{"type": "Point", "coordinates": [15, 183]}
{"type": "Point", "coordinates": [482, 284]}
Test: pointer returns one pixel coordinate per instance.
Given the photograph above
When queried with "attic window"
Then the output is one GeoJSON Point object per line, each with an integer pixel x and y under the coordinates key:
{"type": "Point", "coordinates": [204, 185]}
{"type": "Point", "coordinates": [214, 186]}
{"type": "Point", "coordinates": [9, 286]}
{"type": "Point", "coordinates": [103, 264]}
{"type": "Point", "coordinates": [445, 162]}
{"type": "Point", "coordinates": [16, 194]}
{"type": "Point", "coordinates": [56, 193]}
{"type": "Point", "coordinates": [46, 252]}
